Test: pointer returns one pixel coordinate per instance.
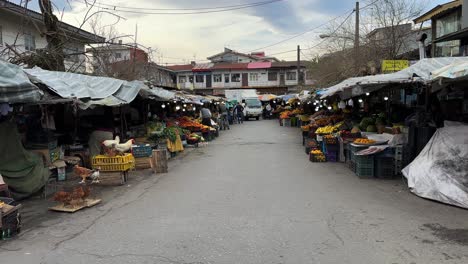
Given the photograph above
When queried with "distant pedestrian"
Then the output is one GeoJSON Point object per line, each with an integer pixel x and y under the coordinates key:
{"type": "Point", "coordinates": [240, 113]}
{"type": "Point", "coordinates": [205, 114]}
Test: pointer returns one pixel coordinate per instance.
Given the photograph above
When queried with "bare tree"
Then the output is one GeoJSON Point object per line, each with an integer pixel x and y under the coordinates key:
{"type": "Point", "coordinates": [385, 33]}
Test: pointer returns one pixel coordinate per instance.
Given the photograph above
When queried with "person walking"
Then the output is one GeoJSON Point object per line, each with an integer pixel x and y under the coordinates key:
{"type": "Point", "coordinates": [240, 113]}
{"type": "Point", "coordinates": [205, 114]}
{"type": "Point", "coordinates": [224, 116]}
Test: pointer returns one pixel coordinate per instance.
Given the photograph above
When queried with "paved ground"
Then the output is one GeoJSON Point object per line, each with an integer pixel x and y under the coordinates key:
{"type": "Point", "coordinates": [251, 197]}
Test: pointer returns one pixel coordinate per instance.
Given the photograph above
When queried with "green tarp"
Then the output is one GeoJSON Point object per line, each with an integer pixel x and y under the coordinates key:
{"type": "Point", "coordinates": [22, 170]}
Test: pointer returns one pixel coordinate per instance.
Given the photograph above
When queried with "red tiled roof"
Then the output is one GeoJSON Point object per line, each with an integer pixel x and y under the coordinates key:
{"type": "Point", "coordinates": [203, 67]}
{"type": "Point", "coordinates": [259, 65]}
{"type": "Point", "coordinates": [185, 67]}
{"type": "Point", "coordinates": [230, 66]}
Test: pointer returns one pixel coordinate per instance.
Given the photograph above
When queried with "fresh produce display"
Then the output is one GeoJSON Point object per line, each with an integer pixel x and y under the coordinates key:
{"type": "Point", "coordinates": [317, 156]}
{"type": "Point", "coordinates": [285, 115]}
{"type": "Point", "coordinates": [190, 124]}
{"type": "Point", "coordinates": [329, 129]}
{"type": "Point", "coordinates": [297, 111]}
{"type": "Point", "coordinates": [364, 141]}
{"type": "Point", "coordinates": [329, 139]}
{"type": "Point", "coordinates": [305, 128]}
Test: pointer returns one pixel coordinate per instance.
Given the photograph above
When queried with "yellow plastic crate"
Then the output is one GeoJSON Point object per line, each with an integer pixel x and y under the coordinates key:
{"type": "Point", "coordinates": [117, 163]}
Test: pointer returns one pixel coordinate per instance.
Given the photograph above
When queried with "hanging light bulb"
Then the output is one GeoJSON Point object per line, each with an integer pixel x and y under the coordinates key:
{"type": "Point", "coordinates": [308, 102]}
{"type": "Point", "coordinates": [183, 110]}
{"type": "Point", "coordinates": [360, 100]}
{"type": "Point", "coordinates": [177, 107]}
{"type": "Point", "coordinates": [329, 108]}
{"type": "Point", "coordinates": [385, 98]}
{"type": "Point", "coordinates": [299, 103]}
{"type": "Point", "coordinates": [316, 109]}
{"type": "Point", "coordinates": [185, 105]}
{"type": "Point", "coordinates": [194, 109]}
{"type": "Point", "coordinates": [367, 94]}
{"type": "Point", "coordinates": [274, 102]}
{"type": "Point", "coordinates": [163, 106]}
{"type": "Point", "coordinates": [315, 103]}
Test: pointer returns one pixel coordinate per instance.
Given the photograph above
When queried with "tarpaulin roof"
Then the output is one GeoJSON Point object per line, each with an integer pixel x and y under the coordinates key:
{"type": "Point", "coordinates": [72, 85]}
{"type": "Point", "coordinates": [157, 93]}
{"type": "Point", "coordinates": [15, 86]}
{"type": "Point", "coordinates": [458, 69]}
{"type": "Point", "coordinates": [419, 72]}
{"type": "Point", "coordinates": [91, 90]}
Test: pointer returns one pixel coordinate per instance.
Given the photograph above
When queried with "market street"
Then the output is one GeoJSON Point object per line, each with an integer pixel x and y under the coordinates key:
{"type": "Point", "coordinates": [252, 197]}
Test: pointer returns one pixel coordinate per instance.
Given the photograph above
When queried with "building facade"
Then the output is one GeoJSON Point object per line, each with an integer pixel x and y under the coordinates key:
{"type": "Point", "coordinates": [22, 31]}
{"type": "Point", "coordinates": [234, 70]}
{"type": "Point", "coordinates": [449, 28]}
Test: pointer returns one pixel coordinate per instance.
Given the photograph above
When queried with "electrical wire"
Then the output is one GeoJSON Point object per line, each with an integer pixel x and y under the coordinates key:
{"type": "Point", "coordinates": [312, 29]}
{"type": "Point", "coordinates": [182, 9]}
{"type": "Point", "coordinates": [114, 9]}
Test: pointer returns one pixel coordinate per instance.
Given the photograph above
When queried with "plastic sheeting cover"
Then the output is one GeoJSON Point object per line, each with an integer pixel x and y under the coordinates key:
{"type": "Point", "coordinates": [440, 172]}
{"type": "Point", "coordinates": [15, 86]}
{"type": "Point", "coordinates": [73, 85]}
{"type": "Point", "coordinates": [157, 93]}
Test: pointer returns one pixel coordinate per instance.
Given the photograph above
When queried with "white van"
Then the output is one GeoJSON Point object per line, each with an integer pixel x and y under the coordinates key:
{"type": "Point", "coordinates": [252, 108]}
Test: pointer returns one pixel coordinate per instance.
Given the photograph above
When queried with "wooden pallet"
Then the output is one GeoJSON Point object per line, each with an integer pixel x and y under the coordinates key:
{"type": "Point", "coordinates": [143, 163]}
{"type": "Point", "coordinates": [71, 209]}
{"type": "Point", "coordinates": [113, 178]}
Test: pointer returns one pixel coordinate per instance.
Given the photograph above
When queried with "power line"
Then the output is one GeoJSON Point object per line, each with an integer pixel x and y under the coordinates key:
{"type": "Point", "coordinates": [182, 9]}
{"type": "Point", "coordinates": [312, 29]}
{"type": "Point", "coordinates": [114, 9]}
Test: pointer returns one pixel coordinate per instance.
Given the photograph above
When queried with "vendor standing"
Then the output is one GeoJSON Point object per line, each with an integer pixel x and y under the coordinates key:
{"type": "Point", "coordinates": [205, 114]}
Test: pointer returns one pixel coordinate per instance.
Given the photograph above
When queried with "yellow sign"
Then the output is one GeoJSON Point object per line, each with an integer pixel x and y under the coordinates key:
{"type": "Point", "coordinates": [394, 65]}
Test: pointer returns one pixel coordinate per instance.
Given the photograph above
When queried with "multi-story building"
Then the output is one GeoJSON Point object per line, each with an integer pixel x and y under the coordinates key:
{"type": "Point", "coordinates": [449, 28]}
{"type": "Point", "coordinates": [22, 31]}
{"type": "Point", "coordinates": [234, 70]}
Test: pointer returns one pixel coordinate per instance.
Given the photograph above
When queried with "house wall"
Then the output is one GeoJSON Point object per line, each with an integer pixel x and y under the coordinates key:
{"type": "Point", "coordinates": [261, 81]}
{"type": "Point", "coordinates": [14, 29]}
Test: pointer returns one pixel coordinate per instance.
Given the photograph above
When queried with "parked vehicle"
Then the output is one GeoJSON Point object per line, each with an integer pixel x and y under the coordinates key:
{"type": "Point", "coordinates": [249, 98]}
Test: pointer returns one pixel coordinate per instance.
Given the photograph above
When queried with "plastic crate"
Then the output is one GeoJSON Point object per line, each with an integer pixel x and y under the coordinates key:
{"type": "Point", "coordinates": [287, 122]}
{"type": "Point", "coordinates": [384, 167]}
{"type": "Point", "coordinates": [310, 142]}
{"type": "Point", "coordinates": [142, 151]}
{"type": "Point", "coordinates": [352, 166]}
{"type": "Point", "coordinates": [117, 163]}
{"type": "Point", "coordinates": [332, 147]}
{"type": "Point", "coordinates": [314, 158]}
{"type": "Point", "coordinates": [11, 225]}
{"type": "Point", "coordinates": [293, 121]}
{"type": "Point", "coordinates": [353, 150]}
{"type": "Point", "coordinates": [364, 166]}
{"type": "Point", "coordinates": [332, 156]}
{"type": "Point", "coordinates": [330, 140]}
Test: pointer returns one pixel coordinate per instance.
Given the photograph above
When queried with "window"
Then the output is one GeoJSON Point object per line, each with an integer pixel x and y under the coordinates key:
{"type": "Point", "coordinates": [200, 78]}
{"type": "Point", "coordinates": [182, 79]}
{"type": "Point", "coordinates": [291, 76]}
{"type": "Point", "coordinates": [448, 24]}
{"type": "Point", "coordinates": [118, 55]}
{"type": "Point", "coordinates": [191, 79]}
{"type": "Point", "coordinates": [448, 48]}
{"type": "Point", "coordinates": [235, 77]}
{"type": "Point", "coordinates": [217, 78]}
{"type": "Point", "coordinates": [29, 42]}
{"type": "Point", "coordinates": [226, 78]}
{"type": "Point", "coordinates": [72, 54]}
{"type": "Point", "coordinates": [253, 77]}
{"type": "Point", "coordinates": [272, 76]}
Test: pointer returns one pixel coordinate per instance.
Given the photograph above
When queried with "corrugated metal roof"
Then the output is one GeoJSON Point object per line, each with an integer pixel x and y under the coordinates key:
{"type": "Point", "coordinates": [287, 64]}
{"type": "Point", "coordinates": [203, 67]}
{"type": "Point", "coordinates": [230, 66]}
{"type": "Point", "coordinates": [15, 86]}
{"type": "Point", "coordinates": [184, 67]}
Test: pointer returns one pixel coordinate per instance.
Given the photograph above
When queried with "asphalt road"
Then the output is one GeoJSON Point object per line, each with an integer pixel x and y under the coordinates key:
{"type": "Point", "coordinates": [251, 196]}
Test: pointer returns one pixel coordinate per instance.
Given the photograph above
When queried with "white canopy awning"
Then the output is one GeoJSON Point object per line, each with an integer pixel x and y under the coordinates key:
{"type": "Point", "coordinates": [418, 72]}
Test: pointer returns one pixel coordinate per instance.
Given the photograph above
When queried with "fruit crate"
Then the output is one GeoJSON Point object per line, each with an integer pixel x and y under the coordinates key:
{"type": "Point", "coordinates": [384, 167]}
{"type": "Point", "coordinates": [330, 140]}
{"type": "Point", "coordinates": [117, 163]}
{"type": "Point", "coordinates": [311, 143]}
{"type": "Point", "coordinates": [332, 147]}
{"type": "Point", "coordinates": [142, 151]}
{"type": "Point", "coordinates": [332, 156]}
{"type": "Point", "coordinates": [352, 166]}
{"type": "Point", "coordinates": [316, 158]}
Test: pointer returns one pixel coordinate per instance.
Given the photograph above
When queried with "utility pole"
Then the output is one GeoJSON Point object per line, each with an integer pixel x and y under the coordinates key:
{"type": "Point", "coordinates": [299, 65]}
{"type": "Point", "coordinates": [356, 37]}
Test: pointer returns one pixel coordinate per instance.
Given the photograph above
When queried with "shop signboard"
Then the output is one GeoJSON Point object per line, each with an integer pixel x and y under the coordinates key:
{"type": "Point", "coordinates": [389, 66]}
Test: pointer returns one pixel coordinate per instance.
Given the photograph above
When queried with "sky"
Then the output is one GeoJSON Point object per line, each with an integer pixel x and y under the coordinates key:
{"type": "Point", "coordinates": [179, 39]}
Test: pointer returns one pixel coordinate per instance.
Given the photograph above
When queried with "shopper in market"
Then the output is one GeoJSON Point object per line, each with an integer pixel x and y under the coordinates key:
{"type": "Point", "coordinates": [239, 109]}
{"type": "Point", "coordinates": [205, 114]}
